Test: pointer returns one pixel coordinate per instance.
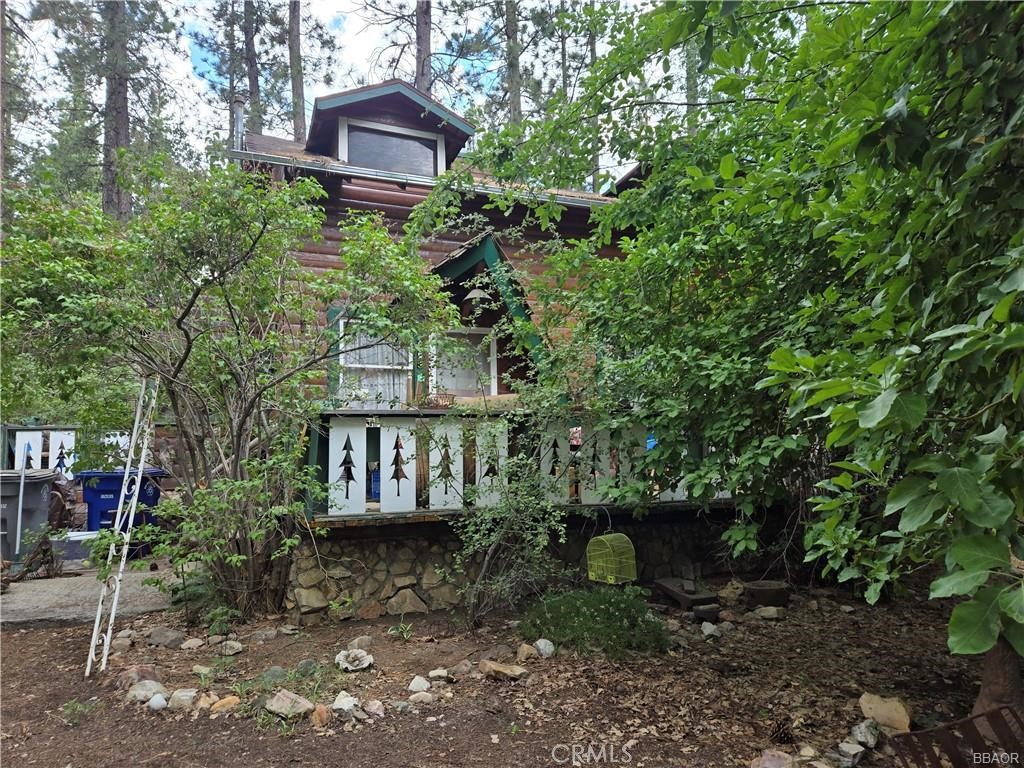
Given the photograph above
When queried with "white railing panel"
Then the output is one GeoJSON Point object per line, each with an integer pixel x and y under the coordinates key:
{"type": "Point", "coordinates": [346, 470]}
{"type": "Point", "coordinates": [446, 476]}
{"type": "Point", "coordinates": [398, 465]}
{"type": "Point", "coordinates": [491, 453]}
{"type": "Point", "coordinates": [62, 451]}
{"type": "Point", "coordinates": [595, 469]}
{"type": "Point", "coordinates": [32, 440]}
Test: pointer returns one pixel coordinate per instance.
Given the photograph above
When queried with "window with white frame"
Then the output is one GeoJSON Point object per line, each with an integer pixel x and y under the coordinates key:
{"type": "Point", "coordinates": [393, 148]}
{"type": "Point", "coordinates": [466, 364]}
{"type": "Point", "coordinates": [372, 372]}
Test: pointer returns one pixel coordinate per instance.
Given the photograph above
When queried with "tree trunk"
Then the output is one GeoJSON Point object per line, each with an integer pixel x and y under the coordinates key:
{"type": "Point", "coordinates": [563, 50]}
{"type": "Point", "coordinates": [423, 73]}
{"type": "Point", "coordinates": [295, 67]}
{"type": "Point", "coordinates": [692, 118]}
{"type": "Point", "coordinates": [595, 161]}
{"type": "Point", "coordinates": [116, 127]}
{"type": "Point", "coordinates": [514, 79]}
{"type": "Point", "coordinates": [1000, 679]}
{"type": "Point", "coordinates": [5, 113]}
{"type": "Point", "coordinates": [252, 72]}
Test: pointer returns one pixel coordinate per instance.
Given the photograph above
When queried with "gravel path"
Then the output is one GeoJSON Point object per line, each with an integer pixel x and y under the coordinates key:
{"type": "Point", "coordinates": [73, 598]}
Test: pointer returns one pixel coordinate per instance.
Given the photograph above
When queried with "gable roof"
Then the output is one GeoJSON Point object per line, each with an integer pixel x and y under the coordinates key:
{"type": "Point", "coordinates": [389, 87]}
{"type": "Point", "coordinates": [394, 104]}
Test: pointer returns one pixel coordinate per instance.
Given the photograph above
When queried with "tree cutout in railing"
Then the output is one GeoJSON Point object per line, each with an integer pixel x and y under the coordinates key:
{"type": "Point", "coordinates": [594, 469]}
{"type": "Point", "coordinates": [347, 465]}
{"type": "Point", "coordinates": [62, 459]}
{"type": "Point", "coordinates": [555, 458]}
{"type": "Point", "coordinates": [491, 464]}
{"type": "Point", "coordinates": [28, 456]}
{"type": "Point", "coordinates": [444, 464]}
{"type": "Point", "coordinates": [398, 462]}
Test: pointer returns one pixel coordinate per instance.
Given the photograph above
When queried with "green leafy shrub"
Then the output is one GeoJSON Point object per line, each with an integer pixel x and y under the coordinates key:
{"type": "Point", "coordinates": [613, 621]}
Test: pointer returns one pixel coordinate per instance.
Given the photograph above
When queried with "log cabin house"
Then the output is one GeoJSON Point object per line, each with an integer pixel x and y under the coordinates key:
{"type": "Point", "coordinates": [392, 449]}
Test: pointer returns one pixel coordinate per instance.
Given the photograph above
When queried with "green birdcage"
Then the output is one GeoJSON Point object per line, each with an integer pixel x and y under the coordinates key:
{"type": "Point", "coordinates": [611, 559]}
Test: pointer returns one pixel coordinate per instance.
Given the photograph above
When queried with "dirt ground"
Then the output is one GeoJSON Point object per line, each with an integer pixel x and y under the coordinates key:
{"type": "Point", "coordinates": [704, 704]}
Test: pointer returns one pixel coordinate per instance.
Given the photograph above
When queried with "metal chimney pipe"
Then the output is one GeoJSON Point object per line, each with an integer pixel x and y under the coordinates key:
{"type": "Point", "coordinates": [238, 121]}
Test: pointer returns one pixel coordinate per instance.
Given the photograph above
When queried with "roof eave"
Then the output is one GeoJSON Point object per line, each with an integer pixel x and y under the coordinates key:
{"type": "Point", "coordinates": [401, 178]}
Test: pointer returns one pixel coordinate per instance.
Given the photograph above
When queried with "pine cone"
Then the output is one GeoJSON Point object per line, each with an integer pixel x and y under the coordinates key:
{"type": "Point", "coordinates": [782, 732]}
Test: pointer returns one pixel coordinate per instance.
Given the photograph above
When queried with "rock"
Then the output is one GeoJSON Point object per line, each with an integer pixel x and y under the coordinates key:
{"type": "Point", "coordinates": [126, 634]}
{"type": "Point", "coordinates": [730, 594]}
{"type": "Point", "coordinates": [726, 627]}
{"type": "Point", "coordinates": [888, 712]}
{"type": "Point", "coordinates": [307, 667]}
{"type": "Point", "coordinates": [263, 635]}
{"type": "Point", "coordinates": [404, 581]}
{"type": "Point", "coordinates": [438, 674]}
{"type": "Point", "coordinates": [500, 651]}
{"type": "Point", "coordinates": [201, 670]}
{"type": "Point", "coordinates": [773, 758]}
{"type": "Point", "coordinates": [193, 644]}
{"type": "Point", "coordinates": [362, 643]}
{"type": "Point", "coordinates": [369, 609]}
{"type": "Point", "coordinates": [225, 705]}
{"type": "Point", "coordinates": [183, 698]}
{"type": "Point", "coordinates": [374, 707]}
{"type": "Point", "coordinates": [350, 661]}
{"type": "Point", "coordinates": [770, 612]}
{"type": "Point", "coordinates": [120, 644]}
{"type": "Point", "coordinates": [401, 706]}
{"type": "Point", "coordinates": [808, 751]}
{"type": "Point", "coordinates": [545, 648]}
{"type": "Point", "coordinates": [214, 640]}
{"type": "Point", "coordinates": [144, 690]}
{"type": "Point", "coordinates": [207, 700]}
{"type": "Point", "coordinates": [231, 648]}
{"type": "Point", "coordinates": [419, 683]}
{"type": "Point", "coordinates": [707, 612]}
{"type": "Point", "coordinates": [431, 578]}
{"type": "Point", "coordinates": [157, 702]}
{"type": "Point", "coordinates": [846, 608]}
{"type": "Point", "coordinates": [271, 676]}
{"type": "Point", "coordinates": [464, 667]}
{"type": "Point", "coordinates": [346, 703]}
{"type": "Point", "coordinates": [709, 630]}
{"type": "Point", "coordinates": [320, 716]}
{"type": "Point", "coordinates": [288, 629]}
{"type": "Point", "coordinates": [850, 754]}
{"type": "Point", "coordinates": [443, 596]}
{"type": "Point", "coordinates": [286, 704]}
{"type": "Point", "coordinates": [421, 697]}
{"type": "Point", "coordinates": [866, 733]}
{"type": "Point", "coordinates": [406, 601]}
{"type": "Point", "coordinates": [526, 652]}
{"type": "Point", "coordinates": [165, 637]}
{"type": "Point", "coordinates": [499, 671]}
{"type": "Point", "coordinates": [310, 600]}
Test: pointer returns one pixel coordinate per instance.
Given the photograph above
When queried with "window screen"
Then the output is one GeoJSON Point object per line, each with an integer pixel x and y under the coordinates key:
{"type": "Point", "coordinates": [463, 366]}
{"type": "Point", "coordinates": [368, 148]}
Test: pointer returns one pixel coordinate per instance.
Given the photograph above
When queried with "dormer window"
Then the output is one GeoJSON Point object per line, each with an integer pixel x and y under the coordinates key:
{"type": "Point", "coordinates": [384, 147]}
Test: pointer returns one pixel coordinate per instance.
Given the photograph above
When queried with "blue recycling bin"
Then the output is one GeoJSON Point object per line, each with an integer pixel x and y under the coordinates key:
{"type": "Point", "coordinates": [101, 491]}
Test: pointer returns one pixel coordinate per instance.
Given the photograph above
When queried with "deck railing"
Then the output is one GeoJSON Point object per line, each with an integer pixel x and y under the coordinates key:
{"type": "Point", "coordinates": [394, 464]}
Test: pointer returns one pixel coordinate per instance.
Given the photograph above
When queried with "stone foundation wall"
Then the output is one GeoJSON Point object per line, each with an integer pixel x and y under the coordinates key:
{"type": "Point", "coordinates": [367, 572]}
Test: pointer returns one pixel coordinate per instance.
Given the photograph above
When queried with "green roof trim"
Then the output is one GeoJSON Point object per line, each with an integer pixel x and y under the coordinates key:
{"type": "Point", "coordinates": [387, 89]}
{"type": "Point", "coordinates": [484, 249]}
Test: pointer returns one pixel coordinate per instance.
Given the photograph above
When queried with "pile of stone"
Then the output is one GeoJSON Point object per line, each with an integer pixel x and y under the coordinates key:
{"type": "Point", "coordinates": [174, 639]}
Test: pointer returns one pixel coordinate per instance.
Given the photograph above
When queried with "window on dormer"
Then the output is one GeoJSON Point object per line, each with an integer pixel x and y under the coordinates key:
{"type": "Point", "coordinates": [390, 148]}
